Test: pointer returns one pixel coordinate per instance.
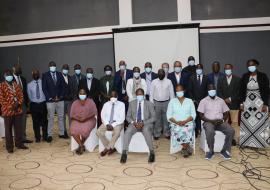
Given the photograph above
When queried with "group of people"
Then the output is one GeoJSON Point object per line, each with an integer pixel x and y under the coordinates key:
{"type": "Point", "coordinates": [173, 105]}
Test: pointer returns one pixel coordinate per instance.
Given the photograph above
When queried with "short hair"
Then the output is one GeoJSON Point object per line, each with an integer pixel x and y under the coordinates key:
{"type": "Point", "coordinates": [106, 67]}
{"type": "Point", "coordinates": [229, 65]}
{"type": "Point", "coordinates": [179, 85]}
{"type": "Point", "coordinates": [139, 89]}
{"type": "Point", "coordinates": [254, 61]}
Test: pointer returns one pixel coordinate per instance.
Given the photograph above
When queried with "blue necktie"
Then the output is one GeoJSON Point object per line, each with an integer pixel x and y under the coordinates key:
{"type": "Point", "coordinates": [54, 79]}
{"type": "Point", "coordinates": [139, 113]}
{"type": "Point", "coordinates": [37, 91]}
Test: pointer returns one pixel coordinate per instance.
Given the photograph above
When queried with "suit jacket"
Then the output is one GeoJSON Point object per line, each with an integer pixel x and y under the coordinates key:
{"type": "Point", "coordinates": [149, 113]}
{"type": "Point", "coordinates": [24, 85]}
{"type": "Point", "coordinates": [231, 90]}
{"type": "Point", "coordinates": [190, 70]}
{"type": "Point", "coordinates": [153, 75]}
{"type": "Point", "coordinates": [195, 91]}
{"type": "Point", "coordinates": [183, 80]}
{"type": "Point", "coordinates": [67, 89]}
{"type": "Point", "coordinates": [118, 82]}
{"type": "Point", "coordinates": [50, 89]}
{"type": "Point", "coordinates": [94, 90]}
{"type": "Point", "coordinates": [103, 88]}
{"type": "Point", "coordinates": [211, 79]}
{"type": "Point", "coordinates": [74, 85]}
{"type": "Point", "coordinates": [263, 87]}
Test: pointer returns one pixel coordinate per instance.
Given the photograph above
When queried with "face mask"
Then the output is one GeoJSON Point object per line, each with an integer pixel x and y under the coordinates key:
{"type": "Point", "coordinates": [140, 98]}
{"type": "Point", "coordinates": [191, 62]}
{"type": "Point", "coordinates": [199, 71]}
{"type": "Point", "coordinates": [82, 96]}
{"type": "Point", "coordinates": [180, 94]}
{"type": "Point", "coordinates": [113, 99]}
{"type": "Point", "coordinates": [252, 69]}
{"type": "Point", "coordinates": [35, 77]}
{"type": "Point", "coordinates": [161, 77]}
{"type": "Point", "coordinates": [52, 69]}
{"type": "Point", "coordinates": [228, 72]}
{"type": "Point", "coordinates": [148, 69]}
{"type": "Point", "coordinates": [177, 69]}
{"type": "Point", "coordinates": [65, 71]}
{"type": "Point", "coordinates": [89, 75]}
{"type": "Point", "coordinates": [165, 69]}
{"type": "Point", "coordinates": [136, 75]}
{"type": "Point", "coordinates": [122, 67]}
{"type": "Point", "coordinates": [108, 73]}
{"type": "Point", "coordinates": [78, 71]}
{"type": "Point", "coordinates": [9, 78]}
{"type": "Point", "coordinates": [212, 93]}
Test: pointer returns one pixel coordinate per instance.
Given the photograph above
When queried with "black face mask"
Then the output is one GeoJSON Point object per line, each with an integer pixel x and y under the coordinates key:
{"type": "Point", "coordinates": [161, 77]}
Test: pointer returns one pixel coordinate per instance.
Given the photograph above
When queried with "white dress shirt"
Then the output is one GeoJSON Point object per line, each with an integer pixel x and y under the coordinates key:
{"type": "Point", "coordinates": [65, 78]}
{"type": "Point", "coordinates": [229, 79]}
{"type": "Point", "coordinates": [18, 80]}
{"type": "Point", "coordinates": [129, 89]}
{"type": "Point", "coordinates": [161, 90]}
{"type": "Point", "coordinates": [148, 79]}
{"type": "Point", "coordinates": [89, 83]}
{"type": "Point", "coordinates": [119, 113]}
{"type": "Point", "coordinates": [178, 77]}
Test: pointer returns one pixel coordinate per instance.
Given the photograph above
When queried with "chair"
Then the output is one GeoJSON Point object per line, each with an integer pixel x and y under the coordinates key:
{"type": "Point", "coordinates": [118, 144]}
{"type": "Point", "coordinates": [138, 143]}
{"type": "Point", "coordinates": [2, 127]}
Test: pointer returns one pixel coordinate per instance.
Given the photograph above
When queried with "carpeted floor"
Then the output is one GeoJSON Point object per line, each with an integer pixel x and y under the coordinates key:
{"type": "Point", "coordinates": [53, 166]}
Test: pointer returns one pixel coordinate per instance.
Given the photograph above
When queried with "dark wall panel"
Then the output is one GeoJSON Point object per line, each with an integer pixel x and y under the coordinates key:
{"type": "Point", "coordinates": [228, 9]}
{"type": "Point", "coordinates": [93, 53]}
{"type": "Point", "coordinates": [236, 48]}
{"type": "Point", "coordinates": [28, 16]}
{"type": "Point", "coordinates": [151, 11]}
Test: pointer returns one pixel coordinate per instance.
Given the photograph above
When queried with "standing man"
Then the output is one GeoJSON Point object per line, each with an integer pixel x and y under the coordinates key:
{"type": "Point", "coordinates": [215, 75]}
{"type": "Point", "coordinates": [229, 91]}
{"type": "Point", "coordinates": [166, 68]}
{"type": "Point", "coordinates": [197, 90]}
{"type": "Point", "coordinates": [38, 106]}
{"type": "Point", "coordinates": [11, 100]}
{"type": "Point", "coordinates": [160, 94]}
{"type": "Point", "coordinates": [53, 88]}
{"type": "Point", "coordinates": [106, 85]}
{"type": "Point", "coordinates": [75, 80]}
{"type": "Point", "coordinates": [191, 68]}
{"type": "Point", "coordinates": [140, 117]}
{"type": "Point", "coordinates": [178, 77]}
{"type": "Point", "coordinates": [21, 81]}
{"type": "Point", "coordinates": [148, 75]}
{"type": "Point", "coordinates": [67, 96]}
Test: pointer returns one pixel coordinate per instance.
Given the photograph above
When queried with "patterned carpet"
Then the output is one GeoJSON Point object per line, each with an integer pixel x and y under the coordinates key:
{"type": "Point", "coordinates": [53, 166]}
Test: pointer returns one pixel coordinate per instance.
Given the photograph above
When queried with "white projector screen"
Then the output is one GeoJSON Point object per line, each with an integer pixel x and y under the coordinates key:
{"type": "Point", "coordinates": [143, 44]}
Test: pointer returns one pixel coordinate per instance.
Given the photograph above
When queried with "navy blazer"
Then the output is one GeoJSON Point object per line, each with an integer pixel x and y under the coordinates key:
{"type": "Point", "coordinates": [195, 90]}
{"type": "Point", "coordinates": [50, 89]}
{"type": "Point", "coordinates": [118, 82]}
{"type": "Point", "coordinates": [153, 75]}
{"type": "Point", "coordinates": [183, 80]}
{"type": "Point", "coordinates": [211, 79]}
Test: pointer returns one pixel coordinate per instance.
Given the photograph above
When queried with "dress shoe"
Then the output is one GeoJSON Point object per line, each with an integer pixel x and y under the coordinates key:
{"type": "Point", "coordinates": [66, 135]}
{"type": "Point", "coordinates": [151, 158]}
{"type": "Point", "coordinates": [63, 137]}
{"type": "Point", "coordinates": [23, 147]}
{"type": "Point", "coordinates": [111, 151]}
{"type": "Point", "coordinates": [37, 140]}
{"type": "Point", "coordinates": [49, 139]}
{"type": "Point", "coordinates": [27, 141]}
{"type": "Point", "coordinates": [156, 138]}
{"type": "Point", "coordinates": [168, 137]}
{"type": "Point", "coordinates": [123, 159]}
{"type": "Point", "coordinates": [234, 142]}
{"type": "Point", "coordinates": [10, 151]}
{"type": "Point", "coordinates": [104, 152]}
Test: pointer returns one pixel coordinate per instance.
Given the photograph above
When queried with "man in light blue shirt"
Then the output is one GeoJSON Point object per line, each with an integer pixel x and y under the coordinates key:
{"type": "Point", "coordinates": [37, 106]}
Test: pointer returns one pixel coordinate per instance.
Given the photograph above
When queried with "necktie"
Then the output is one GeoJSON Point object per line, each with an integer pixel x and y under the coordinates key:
{"type": "Point", "coordinates": [199, 80]}
{"type": "Point", "coordinates": [139, 113]}
{"type": "Point", "coordinates": [54, 79]}
{"type": "Point", "coordinates": [37, 91]}
{"type": "Point", "coordinates": [112, 114]}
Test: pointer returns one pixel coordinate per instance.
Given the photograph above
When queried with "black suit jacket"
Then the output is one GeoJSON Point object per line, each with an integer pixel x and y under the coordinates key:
{"type": "Point", "coordinates": [94, 90]}
{"type": "Point", "coordinates": [153, 75]}
{"type": "Point", "coordinates": [263, 86]}
{"type": "Point", "coordinates": [183, 80]}
{"type": "Point", "coordinates": [24, 85]}
{"type": "Point", "coordinates": [67, 89]}
{"type": "Point", "coordinates": [230, 91]}
{"type": "Point", "coordinates": [195, 91]}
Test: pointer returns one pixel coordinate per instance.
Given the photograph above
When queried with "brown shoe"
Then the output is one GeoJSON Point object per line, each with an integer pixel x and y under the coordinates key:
{"type": "Point", "coordinates": [104, 152]}
{"type": "Point", "coordinates": [111, 151]}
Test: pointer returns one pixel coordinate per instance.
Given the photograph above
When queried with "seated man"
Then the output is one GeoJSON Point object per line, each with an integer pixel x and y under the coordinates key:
{"type": "Point", "coordinates": [214, 112]}
{"type": "Point", "coordinates": [112, 117]}
{"type": "Point", "coordinates": [141, 117]}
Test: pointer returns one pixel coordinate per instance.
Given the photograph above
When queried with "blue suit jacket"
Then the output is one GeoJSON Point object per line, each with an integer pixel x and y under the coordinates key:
{"type": "Point", "coordinates": [183, 80]}
{"type": "Point", "coordinates": [118, 82]}
{"type": "Point", "coordinates": [50, 89]}
{"type": "Point", "coordinates": [153, 75]}
{"type": "Point", "coordinates": [211, 79]}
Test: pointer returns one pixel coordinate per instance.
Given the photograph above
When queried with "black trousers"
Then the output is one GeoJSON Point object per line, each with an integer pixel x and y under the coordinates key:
{"type": "Point", "coordinates": [39, 117]}
{"type": "Point", "coordinates": [16, 122]}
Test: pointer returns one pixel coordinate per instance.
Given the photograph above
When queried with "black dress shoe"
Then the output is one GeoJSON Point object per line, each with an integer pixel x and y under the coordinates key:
{"type": "Point", "coordinates": [37, 140]}
{"type": "Point", "coordinates": [23, 147]}
{"type": "Point", "coordinates": [63, 137]}
{"type": "Point", "coordinates": [233, 142]}
{"type": "Point", "coordinates": [168, 137]}
{"type": "Point", "coordinates": [123, 159]}
{"type": "Point", "coordinates": [10, 151]}
{"type": "Point", "coordinates": [151, 158]}
{"type": "Point", "coordinates": [49, 139]}
{"type": "Point", "coordinates": [66, 135]}
{"type": "Point", "coordinates": [156, 138]}
{"type": "Point", "coordinates": [27, 141]}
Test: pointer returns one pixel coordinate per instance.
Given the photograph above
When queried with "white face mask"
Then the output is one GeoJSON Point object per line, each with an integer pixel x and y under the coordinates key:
{"type": "Point", "coordinates": [122, 67]}
{"type": "Point", "coordinates": [113, 99]}
{"type": "Point", "coordinates": [136, 75]}
{"type": "Point", "coordinates": [108, 73]}
{"type": "Point", "coordinates": [191, 62]}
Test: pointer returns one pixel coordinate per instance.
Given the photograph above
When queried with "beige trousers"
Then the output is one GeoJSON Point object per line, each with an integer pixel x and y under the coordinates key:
{"type": "Point", "coordinates": [234, 120]}
{"type": "Point", "coordinates": [116, 133]}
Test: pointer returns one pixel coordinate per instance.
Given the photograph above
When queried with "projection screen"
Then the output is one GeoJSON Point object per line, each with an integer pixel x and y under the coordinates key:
{"type": "Point", "coordinates": [156, 44]}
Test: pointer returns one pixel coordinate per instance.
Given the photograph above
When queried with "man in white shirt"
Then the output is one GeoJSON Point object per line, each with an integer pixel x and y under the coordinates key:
{"type": "Point", "coordinates": [160, 94]}
{"type": "Point", "coordinates": [113, 117]}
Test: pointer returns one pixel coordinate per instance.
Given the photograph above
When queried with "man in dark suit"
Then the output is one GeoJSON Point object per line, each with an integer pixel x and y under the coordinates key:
{"type": "Point", "coordinates": [106, 85]}
{"type": "Point", "coordinates": [149, 76]}
{"type": "Point", "coordinates": [21, 81]}
{"type": "Point", "coordinates": [178, 77]}
{"type": "Point", "coordinates": [67, 95]}
{"type": "Point", "coordinates": [228, 90]}
{"type": "Point", "coordinates": [120, 81]}
{"type": "Point", "coordinates": [53, 87]}
{"type": "Point", "coordinates": [191, 68]}
{"type": "Point", "coordinates": [75, 80]}
{"type": "Point", "coordinates": [215, 75]}
{"type": "Point", "coordinates": [197, 90]}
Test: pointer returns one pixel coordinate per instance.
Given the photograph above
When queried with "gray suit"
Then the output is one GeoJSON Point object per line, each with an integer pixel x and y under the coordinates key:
{"type": "Point", "coordinates": [149, 117]}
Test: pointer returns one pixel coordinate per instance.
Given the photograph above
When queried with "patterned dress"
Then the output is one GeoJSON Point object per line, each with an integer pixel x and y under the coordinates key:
{"type": "Point", "coordinates": [254, 127]}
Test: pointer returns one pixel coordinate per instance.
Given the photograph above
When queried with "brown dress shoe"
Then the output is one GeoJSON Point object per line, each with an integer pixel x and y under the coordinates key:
{"type": "Point", "coordinates": [104, 152]}
{"type": "Point", "coordinates": [111, 151]}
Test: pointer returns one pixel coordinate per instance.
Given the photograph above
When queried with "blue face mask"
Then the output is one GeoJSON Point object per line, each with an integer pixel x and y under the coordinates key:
{"type": "Point", "coordinates": [148, 69]}
{"type": "Point", "coordinates": [65, 71]}
{"type": "Point", "coordinates": [9, 78]}
{"type": "Point", "coordinates": [136, 75]}
{"type": "Point", "coordinates": [228, 72]}
{"type": "Point", "coordinates": [212, 93]}
{"type": "Point", "coordinates": [252, 69]}
{"type": "Point", "coordinates": [78, 71]}
{"type": "Point", "coordinates": [122, 67]}
{"type": "Point", "coordinates": [177, 69]}
{"type": "Point", "coordinates": [199, 71]}
{"type": "Point", "coordinates": [52, 69]}
{"type": "Point", "coordinates": [89, 75]}
{"type": "Point", "coordinates": [180, 94]}
{"type": "Point", "coordinates": [140, 98]}
{"type": "Point", "coordinates": [82, 96]}
{"type": "Point", "coordinates": [191, 62]}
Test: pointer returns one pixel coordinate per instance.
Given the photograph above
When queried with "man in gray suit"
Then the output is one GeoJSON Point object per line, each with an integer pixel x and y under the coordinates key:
{"type": "Point", "coordinates": [141, 117]}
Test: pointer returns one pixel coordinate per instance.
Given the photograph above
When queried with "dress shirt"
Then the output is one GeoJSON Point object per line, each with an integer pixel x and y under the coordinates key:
{"type": "Point", "coordinates": [18, 80]}
{"type": "Point", "coordinates": [89, 83]}
{"type": "Point", "coordinates": [148, 78]}
{"type": "Point", "coordinates": [119, 113]}
{"type": "Point", "coordinates": [161, 90]}
{"type": "Point", "coordinates": [65, 78]}
{"type": "Point", "coordinates": [229, 79]}
{"type": "Point", "coordinates": [201, 77]}
{"type": "Point", "coordinates": [178, 77]}
{"type": "Point", "coordinates": [31, 91]}
{"type": "Point", "coordinates": [129, 89]}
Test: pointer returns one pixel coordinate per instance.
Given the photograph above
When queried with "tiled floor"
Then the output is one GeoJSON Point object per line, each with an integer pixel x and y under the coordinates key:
{"type": "Point", "coordinates": [53, 166]}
